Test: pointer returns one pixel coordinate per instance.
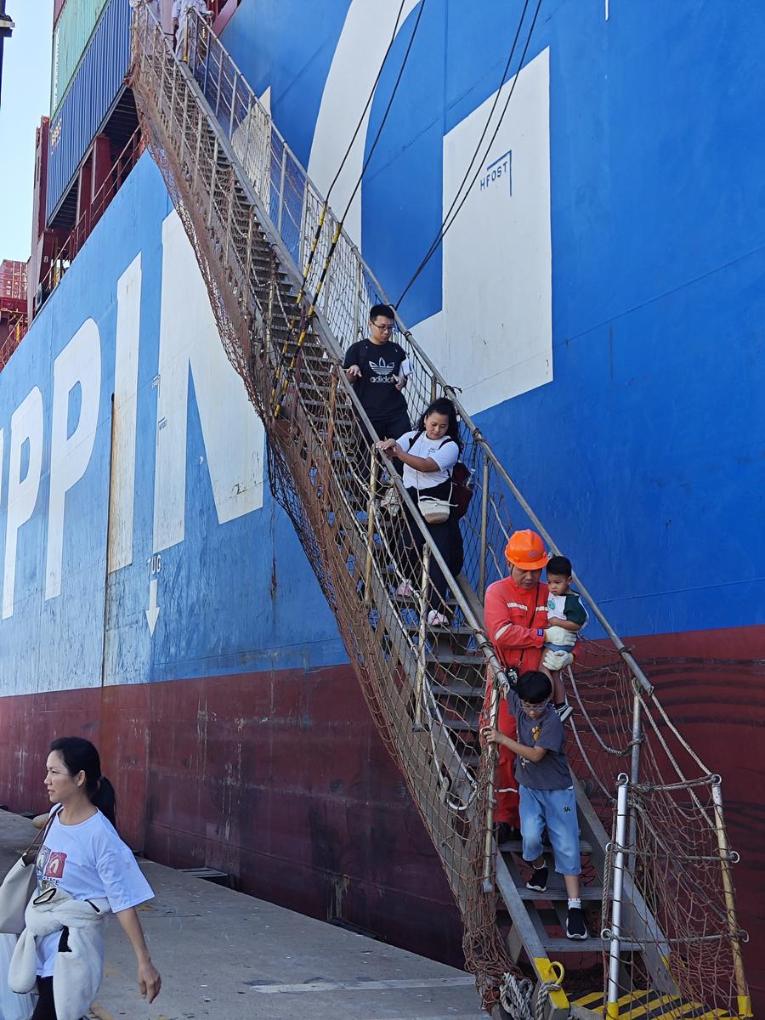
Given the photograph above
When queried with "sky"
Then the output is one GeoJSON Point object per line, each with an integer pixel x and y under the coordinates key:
{"type": "Point", "coordinates": [25, 98]}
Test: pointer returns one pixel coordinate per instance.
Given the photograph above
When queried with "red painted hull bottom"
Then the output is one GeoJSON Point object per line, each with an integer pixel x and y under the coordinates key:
{"type": "Point", "coordinates": [280, 780]}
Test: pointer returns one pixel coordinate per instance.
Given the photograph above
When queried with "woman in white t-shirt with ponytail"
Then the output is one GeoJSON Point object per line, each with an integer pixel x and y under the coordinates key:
{"type": "Point", "coordinates": [82, 864]}
{"type": "Point", "coordinates": [429, 454]}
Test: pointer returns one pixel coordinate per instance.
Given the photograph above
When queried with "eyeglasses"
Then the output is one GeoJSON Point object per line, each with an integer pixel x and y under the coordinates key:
{"type": "Point", "coordinates": [385, 327]}
{"type": "Point", "coordinates": [539, 707]}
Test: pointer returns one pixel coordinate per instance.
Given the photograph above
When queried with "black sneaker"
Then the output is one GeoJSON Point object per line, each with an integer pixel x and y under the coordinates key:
{"type": "Point", "coordinates": [506, 833]}
{"type": "Point", "coordinates": [538, 880]}
{"type": "Point", "coordinates": [565, 711]}
{"type": "Point", "coordinates": [576, 927]}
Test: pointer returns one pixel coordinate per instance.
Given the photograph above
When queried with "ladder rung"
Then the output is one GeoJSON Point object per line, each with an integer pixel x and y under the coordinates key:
{"type": "Point", "coordinates": [594, 944]}
{"type": "Point", "coordinates": [461, 725]}
{"type": "Point", "coordinates": [592, 893]}
{"type": "Point", "coordinates": [458, 690]}
{"type": "Point", "coordinates": [515, 846]}
{"type": "Point", "coordinates": [459, 659]}
{"type": "Point", "coordinates": [446, 630]}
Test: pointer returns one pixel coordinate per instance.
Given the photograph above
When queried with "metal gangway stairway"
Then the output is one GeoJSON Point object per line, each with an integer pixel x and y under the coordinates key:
{"type": "Point", "coordinates": [290, 291]}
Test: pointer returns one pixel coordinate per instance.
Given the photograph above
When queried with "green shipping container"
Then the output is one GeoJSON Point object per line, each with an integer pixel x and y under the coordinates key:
{"type": "Point", "coordinates": [70, 37]}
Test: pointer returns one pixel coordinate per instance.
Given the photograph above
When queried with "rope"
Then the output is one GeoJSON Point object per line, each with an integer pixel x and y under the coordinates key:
{"type": "Point", "coordinates": [519, 1000]}
{"type": "Point", "coordinates": [673, 855]}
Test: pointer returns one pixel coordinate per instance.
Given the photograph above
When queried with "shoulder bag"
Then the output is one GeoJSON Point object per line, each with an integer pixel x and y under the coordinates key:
{"type": "Point", "coordinates": [432, 509]}
{"type": "Point", "coordinates": [19, 885]}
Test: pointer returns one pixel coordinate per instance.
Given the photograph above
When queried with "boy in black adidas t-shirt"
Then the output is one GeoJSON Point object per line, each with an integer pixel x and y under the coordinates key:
{"type": "Point", "coordinates": [378, 367]}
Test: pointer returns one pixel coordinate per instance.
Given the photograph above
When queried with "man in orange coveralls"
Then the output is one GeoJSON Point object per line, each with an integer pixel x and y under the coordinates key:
{"type": "Point", "coordinates": [515, 617]}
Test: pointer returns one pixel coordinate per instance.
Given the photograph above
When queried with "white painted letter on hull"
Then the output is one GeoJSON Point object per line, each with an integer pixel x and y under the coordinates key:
{"type": "Point", "coordinates": [232, 432]}
{"type": "Point", "coordinates": [122, 485]}
{"type": "Point", "coordinates": [26, 430]}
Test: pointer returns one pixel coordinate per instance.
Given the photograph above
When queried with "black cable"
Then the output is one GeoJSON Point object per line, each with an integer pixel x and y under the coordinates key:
{"type": "Point", "coordinates": [339, 223]}
{"type": "Point", "coordinates": [378, 135]}
{"type": "Point", "coordinates": [370, 97]}
{"type": "Point", "coordinates": [452, 213]}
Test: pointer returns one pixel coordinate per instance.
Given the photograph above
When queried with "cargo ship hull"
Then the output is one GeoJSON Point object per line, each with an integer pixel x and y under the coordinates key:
{"type": "Point", "coordinates": [600, 302]}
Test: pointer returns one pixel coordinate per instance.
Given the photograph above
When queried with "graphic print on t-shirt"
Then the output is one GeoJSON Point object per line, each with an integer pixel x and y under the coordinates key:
{"type": "Point", "coordinates": [381, 366]}
{"type": "Point", "coordinates": [55, 866]}
{"type": "Point", "coordinates": [381, 369]}
{"type": "Point", "coordinates": [49, 867]}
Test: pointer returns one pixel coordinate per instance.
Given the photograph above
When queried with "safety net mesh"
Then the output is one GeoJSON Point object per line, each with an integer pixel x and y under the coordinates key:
{"type": "Point", "coordinates": [290, 292]}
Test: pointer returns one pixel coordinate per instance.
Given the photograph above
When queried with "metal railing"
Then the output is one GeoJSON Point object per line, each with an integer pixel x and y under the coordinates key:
{"type": "Point", "coordinates": [291, 292]}
{"type": "Point", "coordinates": [66, 252]}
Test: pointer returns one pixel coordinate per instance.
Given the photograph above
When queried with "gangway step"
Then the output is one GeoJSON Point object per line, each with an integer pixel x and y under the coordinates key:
{"type": "Point", "coordinates": [641, 1004]}
{"type": "Point", "coordinates": [515, 846]}
{"type": "Point", "coordinates": [446, 630]}
{"type": "Point", "coordinates": [594, 944]}
{"type": "Point", "coordinates": [592, 893]}
{"type": "Point", "coordinates": [458, 659]}
{"type": "Point", "coordinates": [458, 689]}
{"type": "Point", "coordinates": [461, 725]}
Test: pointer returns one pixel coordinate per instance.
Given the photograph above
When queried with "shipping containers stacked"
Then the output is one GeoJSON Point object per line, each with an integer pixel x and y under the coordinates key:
{"type": "Point", "coordinates": [13, 281]}
{"type": "Point", "coordinates": [91, 89]}
{"type": "Point", "coordinates": [13, 307]}
{"type": "Point", "coordinates": [71, 33]}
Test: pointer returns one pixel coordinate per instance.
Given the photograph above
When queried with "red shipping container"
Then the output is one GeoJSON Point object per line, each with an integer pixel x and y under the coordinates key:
{"type": "Point", "coordinates": [13, 280]}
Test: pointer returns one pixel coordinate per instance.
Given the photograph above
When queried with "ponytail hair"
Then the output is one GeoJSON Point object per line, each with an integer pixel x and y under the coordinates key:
{"type": "Point", "coordinates": [81, 756]}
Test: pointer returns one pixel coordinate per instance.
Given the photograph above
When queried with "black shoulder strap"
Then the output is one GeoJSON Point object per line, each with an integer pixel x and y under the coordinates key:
{"type": "Point", "coordinates": [534, 607]}
{"type": "Point", "coordinates": [35, 846]}
{"type": "Point", "coordinates": [414, 438]}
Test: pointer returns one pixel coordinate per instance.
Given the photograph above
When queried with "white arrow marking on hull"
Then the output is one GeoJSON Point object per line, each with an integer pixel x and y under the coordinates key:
{"type": "Point", "coordinates": [153, 611]}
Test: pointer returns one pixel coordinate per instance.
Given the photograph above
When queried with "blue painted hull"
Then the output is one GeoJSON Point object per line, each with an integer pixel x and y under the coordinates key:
{"type": "Point", "coordinates": [640, 440]}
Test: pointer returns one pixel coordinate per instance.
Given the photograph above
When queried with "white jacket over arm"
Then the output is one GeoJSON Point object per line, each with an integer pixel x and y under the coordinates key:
{"type": "Point", "coordinates": [77, 974]}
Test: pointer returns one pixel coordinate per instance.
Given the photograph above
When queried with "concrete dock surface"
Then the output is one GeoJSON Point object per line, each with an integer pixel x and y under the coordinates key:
{"type": "Point", "coordinates": [226, 955]}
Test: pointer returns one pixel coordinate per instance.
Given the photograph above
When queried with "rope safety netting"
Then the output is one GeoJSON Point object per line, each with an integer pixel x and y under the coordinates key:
{"type": "Point", "coordinates": [251, 213]}
{"type": "Point", "coordinates": [676, 903]}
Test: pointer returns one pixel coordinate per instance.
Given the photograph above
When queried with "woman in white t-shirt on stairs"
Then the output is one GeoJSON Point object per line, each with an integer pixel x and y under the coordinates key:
{"type": "Point", "coordinates": [429, 454]}
{"type": "Point", "coordinates": [83, 855]}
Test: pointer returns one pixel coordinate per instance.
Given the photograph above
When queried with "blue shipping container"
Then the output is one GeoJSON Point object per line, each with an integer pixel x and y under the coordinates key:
{"type": "Point", "coordinates": [88, 100]}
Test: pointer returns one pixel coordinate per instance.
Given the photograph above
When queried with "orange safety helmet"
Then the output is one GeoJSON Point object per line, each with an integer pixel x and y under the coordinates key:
{"type": "Point", "coordinates": [526, 550]}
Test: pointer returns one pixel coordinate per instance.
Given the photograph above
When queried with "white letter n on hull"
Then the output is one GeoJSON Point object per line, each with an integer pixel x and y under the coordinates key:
{"type": "Point", "coordinates": [232, 432]}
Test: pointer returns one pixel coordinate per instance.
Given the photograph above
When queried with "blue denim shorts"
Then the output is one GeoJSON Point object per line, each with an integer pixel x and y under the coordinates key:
{"type": "Point", "coordinates": [554, 810]}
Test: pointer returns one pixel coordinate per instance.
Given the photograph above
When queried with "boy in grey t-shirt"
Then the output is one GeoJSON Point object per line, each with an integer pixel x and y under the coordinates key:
{"type": "Point", "coordinates": [546, 790]}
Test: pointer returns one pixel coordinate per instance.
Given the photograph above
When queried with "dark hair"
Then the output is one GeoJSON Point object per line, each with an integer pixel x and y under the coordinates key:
{"type": "Point", "coordinates": [443, 406]}
{"type": "Point", "coordinates": [81, 756]}
{"type": "Point", "coordinates": [533, 687]}
{"type": "Point", "coordinates": [385, 310]}
{"type": "Point", "coordinates": [559, 565]}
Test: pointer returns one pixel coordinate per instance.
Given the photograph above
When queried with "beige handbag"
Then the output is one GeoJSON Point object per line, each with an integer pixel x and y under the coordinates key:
{"type": "Point", "coordinates": [19, 885]}
{"type": "Point", "coordinates": [434, 510]}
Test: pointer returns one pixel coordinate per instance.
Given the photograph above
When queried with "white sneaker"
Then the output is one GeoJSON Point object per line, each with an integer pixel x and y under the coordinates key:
{"type": "Point", "coordinates": [405, 591]}
{"type": "Point", "coordinates": [391, 502]}
{"type": "Point", "coordinates": [565, 711]}
{"type": "Point", "coordinates": [436, 619]}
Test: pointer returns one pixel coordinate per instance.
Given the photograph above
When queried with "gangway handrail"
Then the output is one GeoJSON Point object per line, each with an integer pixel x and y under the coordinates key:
{"type": "Point", "coordinates": [233, 157]}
